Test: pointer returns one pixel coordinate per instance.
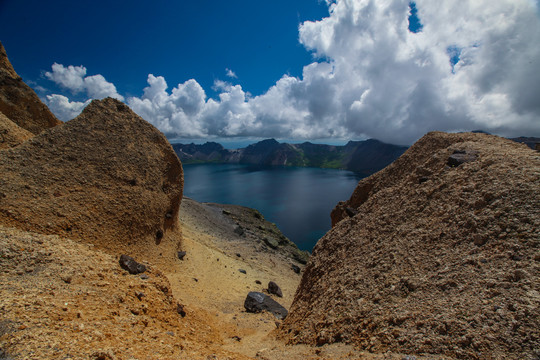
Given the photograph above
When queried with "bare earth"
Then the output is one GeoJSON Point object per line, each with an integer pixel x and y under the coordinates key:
{"type": "Point", "coordinates": [63, 299]}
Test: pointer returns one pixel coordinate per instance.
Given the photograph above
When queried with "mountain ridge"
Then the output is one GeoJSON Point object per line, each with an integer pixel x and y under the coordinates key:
{"type": "Point", "coordinates": [365, 156]}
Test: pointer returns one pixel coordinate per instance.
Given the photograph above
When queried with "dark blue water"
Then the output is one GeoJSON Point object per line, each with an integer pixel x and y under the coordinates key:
{"type": "Point", "coordinates": [298, 200]}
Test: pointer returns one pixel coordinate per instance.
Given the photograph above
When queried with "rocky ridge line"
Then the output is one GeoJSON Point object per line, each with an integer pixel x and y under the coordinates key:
{"type": "Point", "coordinates": [19, 103]}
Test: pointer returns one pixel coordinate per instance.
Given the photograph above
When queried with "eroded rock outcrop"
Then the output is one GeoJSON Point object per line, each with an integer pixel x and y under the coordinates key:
{"type": "Point", "coordinates": [19, 102]}
{"type": "Point", "coordinates": [11, 134]}
{"type": "Point", "coordinates": [107, 177]}
{"type": "Point", "coordinates": [432, 258]}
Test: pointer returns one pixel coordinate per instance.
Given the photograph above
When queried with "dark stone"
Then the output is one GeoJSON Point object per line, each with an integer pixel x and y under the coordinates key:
{"type": "Point", "coordinates": [242, 271]}
{"type": "Point", "coordinates": [239, 231]}
{"type": "Point", "coordinates": [351, 212]}
{"type": "Point", "coordinates": [139, 295]}
{"type": "Point", "coordinates": [144, 277]}
{"type": "Point", "coordinates": [258, 282]}
{"type": "Point", "coordinates": [159, 235]}
{"type": "Point", "coordinates": [239, 255]}
{"type": "Point", "coordinates": [295, 268]}
{"type": "Point", "coordinates": [129, 264]}
{"type": "Point", "coordinates": [181, 255]}
{"type": "Point", "coordinates": [180, 310]}
{"type": "Point", "coordinates": [273, 288]}
{"type": "Point", "coordinates": [460, 157]}
{"type": "Point", "coordinates": [423, 179]}
{"type": "Point", "coordinates": [257, 302]}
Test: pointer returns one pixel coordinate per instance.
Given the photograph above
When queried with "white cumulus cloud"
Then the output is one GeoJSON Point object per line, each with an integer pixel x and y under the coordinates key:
{"type": "Point", "coordinates": [63, 108]}
{"type": "Point", "coordinates": [74, 79]}
{"type": "Point", "coordinates": [473, 65]}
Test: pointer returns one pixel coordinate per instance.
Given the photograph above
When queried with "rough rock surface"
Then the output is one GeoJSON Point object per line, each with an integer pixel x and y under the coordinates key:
{"type": "Point", "coordinates": [11, 134]}
{"type": "Point", "coordinates": [65, 300]}
{"type": "Point", "coordinates": [107, 177]}
{"type": "Point", "coordinates": [435, 260]}
{"type": "Point", "coordinates": [19, 102]}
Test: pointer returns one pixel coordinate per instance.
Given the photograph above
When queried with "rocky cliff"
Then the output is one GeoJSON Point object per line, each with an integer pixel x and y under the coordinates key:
{"type": "Point", "coordinates": [19, 102]}
{"type": "Point", "coordinates": [359, 156]}
{"type": "Point", "coordinates": [106, 177]}
{"type": "Point", "coordinates": [436, 254]}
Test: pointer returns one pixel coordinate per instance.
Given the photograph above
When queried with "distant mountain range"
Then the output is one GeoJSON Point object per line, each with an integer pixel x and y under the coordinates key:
{"type": "Point", "coordinates": [365, 157]}
{"type": "Point", "coordinates": [359, 156]}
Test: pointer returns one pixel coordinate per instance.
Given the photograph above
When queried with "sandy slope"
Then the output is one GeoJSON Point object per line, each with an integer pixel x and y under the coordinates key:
{"type": "Point", "coordinates": [62, 299]}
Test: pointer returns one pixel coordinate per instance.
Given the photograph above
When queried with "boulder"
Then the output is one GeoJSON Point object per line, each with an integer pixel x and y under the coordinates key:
{"type": "Point", "coordinates": [20, 103]}
{"type": "Point", "coordinates": [429, 267]}
{"type": "Point", "coordinates": [257, 302]}
{"type": "Point", "coordinates": [133, 267]}
{"type": "Point", "coordinates": [107, 177]}
{"type": "Point", "coordinates": [273, 288]}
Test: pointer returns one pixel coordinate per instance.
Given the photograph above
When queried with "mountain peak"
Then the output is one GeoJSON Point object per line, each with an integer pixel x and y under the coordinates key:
{"type": "Point", "coordinates": [19, 102]}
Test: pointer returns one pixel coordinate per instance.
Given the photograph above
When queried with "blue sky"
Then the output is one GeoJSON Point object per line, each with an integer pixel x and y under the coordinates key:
{"type": "Point", "coordinates": [325, 71]}
{"type": "Point", "coordinates": [127, 40]}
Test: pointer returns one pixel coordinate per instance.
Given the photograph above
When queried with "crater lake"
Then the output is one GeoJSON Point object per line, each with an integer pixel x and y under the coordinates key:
{"type": "Point", "coordinates": [298, 200]}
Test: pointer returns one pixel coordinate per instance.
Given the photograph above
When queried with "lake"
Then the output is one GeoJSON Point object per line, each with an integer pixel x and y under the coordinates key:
{"type": "Point", "coordinates": [298, 200]}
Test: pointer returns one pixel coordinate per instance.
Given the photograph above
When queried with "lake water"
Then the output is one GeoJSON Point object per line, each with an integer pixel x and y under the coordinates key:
{"type": "Point", "coordinates": [298, 200]}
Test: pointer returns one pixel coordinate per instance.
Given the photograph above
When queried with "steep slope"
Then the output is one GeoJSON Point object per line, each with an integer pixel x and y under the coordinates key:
{"type": "Point", "coordinates": [437, 254]}
{"type": "Point", "coordinates": [19, 102]}
{"type": "Point", "coordinates": [11, 134]}
{"type": "Point", "coordinates": [107, 177]}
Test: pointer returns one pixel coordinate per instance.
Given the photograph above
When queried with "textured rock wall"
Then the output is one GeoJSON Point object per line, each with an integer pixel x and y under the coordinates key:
{"type": "Point", "coordinates": [107, 177]}
{"type": "Point", "coordinates": [20, 103]}
{"type": "Point", "coordinates": [432, 256]}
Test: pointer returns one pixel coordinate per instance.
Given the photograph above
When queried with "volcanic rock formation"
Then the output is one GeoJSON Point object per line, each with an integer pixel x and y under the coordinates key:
{"type": "Point", "coordinates": [11, 134]}
{"type": "Point", "coordinates": [19, 102]}
{"type": "Point", "coordinates": [431, 257]}
{"type": "Point", "coordinates": [107, 177]}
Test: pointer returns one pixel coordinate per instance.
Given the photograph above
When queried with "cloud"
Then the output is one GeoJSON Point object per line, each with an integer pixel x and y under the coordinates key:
{"type": "Point", "coordinates": [63, 108]}
{"type": "Point", "coordinates": [71, 77]}
{"type": "Point", "coordinates": [231, 73]}
{"type": "Point", "coordinates": [472, 65]}
{"type": "Point", "coordinates": [74, 79]}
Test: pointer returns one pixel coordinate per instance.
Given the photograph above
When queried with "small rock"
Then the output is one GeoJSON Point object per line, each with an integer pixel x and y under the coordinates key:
{"type": "Point", "coordinates": [66, 278]}
{"type": "Point", "coordinates": [237, 338]}
{"type": "Point", "coordinates": [129, 264]}
{"type": "Point", "coordinates": [103, 355]}
{"type": "Point", "coordinates": [181, 255]}
{"type": "Point", "coordinates": [169, 333]}
{"type": "Point", "coordinates": [242, 271]}
{"type": "Point", "coordinates": [139, 295]}
{"type": "Point", "coordinates": [144, 276]}
{"type": "Point", "coordinates": [239, 231]}
{"type": "Point", "coordinates": [273, 288]}
{"type": "Point", "coordinates": [180, 310]}
{"type": "Point", "coordinates": [295, 268]}
{"type": "Point", "coordinates": [258, 282]}
{"type": "Point", "coordinates": [256, 302]}
{"type": "Point", "coordinates": [351, 212]}
{"type": "Point", "coordinates": [239, 255]}
{"type": "Point", "coordinates": [271, 242]}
